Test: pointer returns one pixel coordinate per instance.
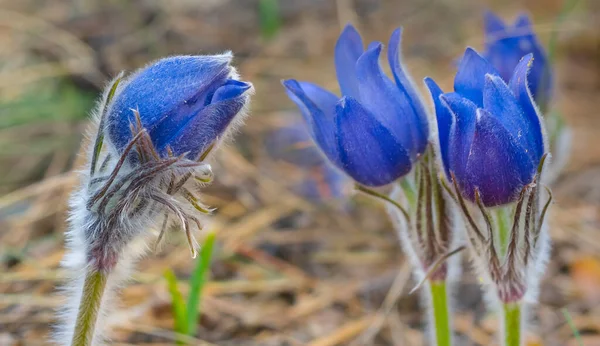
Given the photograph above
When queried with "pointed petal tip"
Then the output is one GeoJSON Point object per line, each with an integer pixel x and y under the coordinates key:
{"type": "Point", "coordinates": [471, 52]}
{"type": "Point", "coordinates": [529, 58]}
{"type": "Point", "coordinates": [470, 55]}
{"type": "Point", "coordinates": [493, 79]}
{"type": "Point", "coordinates": [230, 90]}
{"type": "Point", "coordinates": [349, 28]}
{"type": "Point", "coordinates": [290, 84]}
{"type": "Point", "coordinates": [244, 86]}
{"type": "Point", "coordinates": [432, 86]}
{"type": "Point", "coordinates": [349, 36]}
{"type": "Point", "coordinates": [394, 46]}
{"type": "Point", "coordinates": [375, 46]}
{"type": "Point", "coordinates": [492, 22]}
{"type": "Point", "coordinates": [397, 34]}
{"type": "Point", "coordinates": [523, 21]}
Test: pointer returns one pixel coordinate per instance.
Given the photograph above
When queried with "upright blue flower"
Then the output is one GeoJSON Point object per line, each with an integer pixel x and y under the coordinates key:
{"type": "Point", "coordinates": [184, 102]}
{"type": "Point", "coordinates": [505, 45]}
{"type": "Point", "coordinates": [378, 128]}
{"type": "Point", "coordinates": [320, 181]}
{"type": "Point", "coordinates": [489, 131]}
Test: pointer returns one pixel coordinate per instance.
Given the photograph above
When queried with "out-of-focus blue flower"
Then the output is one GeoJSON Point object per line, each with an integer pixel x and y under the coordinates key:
{"type": "Point", "coordinates": [505, 46]}
{"type": "Point", "coordinates": [489, 131]}
{"type": "Point", "coordinates": [378, 128]}
{"type": "Point", "coordinates": [292, 143]}
{"type": "Point", "coordinates": [184, 102]}
{"type": "Point", "coordinates": [320, 181]}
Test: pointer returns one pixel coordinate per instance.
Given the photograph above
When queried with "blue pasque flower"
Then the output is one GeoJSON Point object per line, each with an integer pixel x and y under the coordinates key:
{"type": "Point", "coordinates": [505, 45]}
{"type": "Point", "coordinates": [378, 128]}
{"type": "Point", "coordinates": [184, 102]}
{"type": "Point", "coordinates": [320, 181]}
{"type": "Point", "coordinates": [489, 131]}
{"type": "Point", "coordinates": [291, 142]}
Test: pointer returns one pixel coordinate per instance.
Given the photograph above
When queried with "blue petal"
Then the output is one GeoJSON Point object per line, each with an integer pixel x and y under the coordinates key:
{"type": "Point", "coordinates": [172, 87]}
{"type": "Point", "coordinates": [166, 128]}
{"type": "Point", "coordinates": [519, 88]}
{"type": "Point", "coordinates": [231, 89]}
{"type": "Point", "coordinates": [469, 79]}
{"type": "Point", "coordinates": [420, 128]}
{"type": "Point", "coordinates": [497, 165]}
{"type": "Point", "coordinates": [204, 128]}
{"type": "Point", "coordinates": [384, 101]}
{"type": "Point", "coordinates": [499, 101]}
{"type": "Point", "coordinates": [369, 153]}
{"type": "Point", "coordinates": [461, 132]}
{"type": "Point", "coordinates": [494, 25]}
{"type": "Point", "coordinates": [348, 49]}
{"type": "Point", "coordinates": [318, 108]}
{"type": "Point", "coordinates": [444, 121]}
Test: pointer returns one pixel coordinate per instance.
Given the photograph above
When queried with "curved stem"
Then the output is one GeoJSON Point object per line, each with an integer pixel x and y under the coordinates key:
{"type": "Point", "coordinates": [441, 313]}
{"type": "Point", "coordinates": [512, 324]}
{"type": "Point", "coordinates": [91, 298]}
{"type": "Point", "coordinates": [381, 196]}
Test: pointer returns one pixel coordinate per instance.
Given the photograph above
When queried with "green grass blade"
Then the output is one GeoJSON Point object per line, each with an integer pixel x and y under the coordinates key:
{"type": "Point", "coordinates": [197, 282]}
{"type": "Point", "coordinates": [568, 6]}
{"type": "Point", "coordinates": [573, 327]}
{"type": "Point", "coordinates": [179, 310]}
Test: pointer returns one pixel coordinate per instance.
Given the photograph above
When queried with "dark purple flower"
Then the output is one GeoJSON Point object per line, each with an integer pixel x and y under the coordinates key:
{"type": "Point", "coordinates": [489, 131]}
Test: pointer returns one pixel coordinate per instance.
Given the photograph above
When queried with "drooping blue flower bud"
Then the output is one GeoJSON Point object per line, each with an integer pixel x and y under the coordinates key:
{"type": "Point", "coordinates": [505, 45]}
{"type": "Point", "coordinates": [378, 128]}
{"type": "Point", "coordinates": [319, 181]}
{"type": "Point", "coordinates": [184, 102]}
{"type": "Point", "coordinates": [489, 131]}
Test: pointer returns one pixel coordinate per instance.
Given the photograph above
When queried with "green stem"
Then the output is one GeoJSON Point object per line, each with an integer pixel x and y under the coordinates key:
{"type": "Point", "coordinates": [197, 282]}
{"type": "Point", "coordinates": [503, 223]}
{"type": "Point", "coordinates": [512, 324]}
{"type": "Point", "coordinates": [91, 298]}
{"type": "Point", "coordinates": [441, 314]}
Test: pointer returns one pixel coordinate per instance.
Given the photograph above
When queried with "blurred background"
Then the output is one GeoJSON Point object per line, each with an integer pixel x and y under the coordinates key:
{"type": "Point", "coordinates": [299, 260]}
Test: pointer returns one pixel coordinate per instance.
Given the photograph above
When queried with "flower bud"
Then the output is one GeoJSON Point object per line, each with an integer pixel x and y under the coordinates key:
{"type": "Point", "coordinates": [185, 102]}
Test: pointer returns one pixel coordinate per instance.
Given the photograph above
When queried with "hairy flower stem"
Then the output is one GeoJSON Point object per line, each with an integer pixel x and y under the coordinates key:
{"type": "Point", "coordinates": [512, 324]}
{"type": "Point", "coordinates": [441, 313]}
{"type": "Point", "coordinates": [423, 215]}
{"type": "Point", "coordinates": [91, 298]}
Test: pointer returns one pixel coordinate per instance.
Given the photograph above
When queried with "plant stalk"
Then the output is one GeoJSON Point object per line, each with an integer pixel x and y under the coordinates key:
{"type": "Point", "coordinates": [512, 324]}
{"type": "Point", "coordinates": [441, 313]}
{"type": "Point", "coordinates": [91, 298]}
